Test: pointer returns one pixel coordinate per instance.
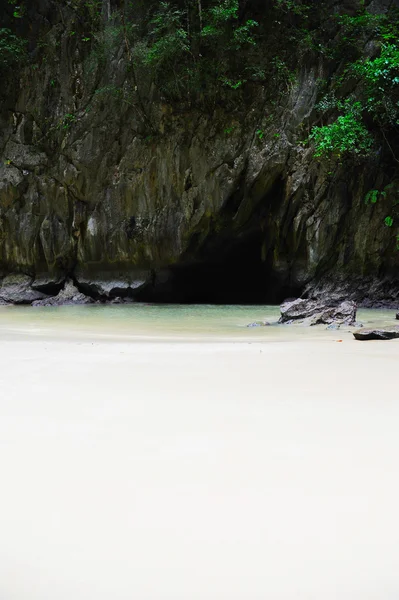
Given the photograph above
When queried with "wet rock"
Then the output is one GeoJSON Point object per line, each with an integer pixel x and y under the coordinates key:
{"type": "Point", "coordinates": [397, 316]}
{"type": "Point", "coordinates": [69, 295]}
{"type": "Point", "coordinates": [367, 292]}
{"type": "Point", "coordinates": [259, 324]}
{"type": "Point", "coordinates": [49, 284]}
{"type": "Point", "coordinates": [377, 334]}
{"type": "Point", "coordinates": [108, 285]}
{"type": "Point", "coordinates": [315, 312]}
{"type": "Point", "coordinates": [16, 289]}
{"type": "Point", "coordinates": [298, 310]}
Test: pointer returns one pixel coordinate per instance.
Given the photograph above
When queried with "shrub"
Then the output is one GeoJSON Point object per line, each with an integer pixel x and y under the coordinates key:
{"type": "Point", "coordinates": [381, 80]}
{"type": "Point", "coordinates": [12, 50]}
{"type": "Point", "coordinates": [347, 135]}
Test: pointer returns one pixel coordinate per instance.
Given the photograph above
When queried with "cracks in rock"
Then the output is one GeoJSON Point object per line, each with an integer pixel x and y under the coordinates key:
{"type": "Point", "coordinates": [233, 202]}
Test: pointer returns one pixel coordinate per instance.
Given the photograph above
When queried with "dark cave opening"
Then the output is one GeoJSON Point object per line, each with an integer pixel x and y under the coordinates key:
{"type": "Point", "coordinates": [235, 271]}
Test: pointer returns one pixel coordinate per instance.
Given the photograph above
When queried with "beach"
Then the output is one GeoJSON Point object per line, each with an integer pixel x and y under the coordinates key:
{"type": "Point", "coordinates": [189, 462]}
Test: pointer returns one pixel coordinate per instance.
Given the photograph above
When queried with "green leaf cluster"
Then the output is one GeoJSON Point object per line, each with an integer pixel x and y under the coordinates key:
{"type": "Point", "coordinates": [12, 50]}
{"type": "Point", "coordinates": [372, 82]}
{"type": "Point", "coordinates": [345, 136]}
{"type": "Point", "coordinates": [168, 39]}
{"type": "Point", "coordinates": [188, 49]}
{"type": "Point", "coordinates": [380, 78]}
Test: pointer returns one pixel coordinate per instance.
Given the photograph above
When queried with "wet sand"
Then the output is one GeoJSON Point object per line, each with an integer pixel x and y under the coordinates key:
{"type": "Point", "coordinates": [229, 465]}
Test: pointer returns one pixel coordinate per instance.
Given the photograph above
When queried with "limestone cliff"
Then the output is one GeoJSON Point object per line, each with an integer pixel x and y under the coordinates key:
{"type": "Point", "coordinates": [132, 194]}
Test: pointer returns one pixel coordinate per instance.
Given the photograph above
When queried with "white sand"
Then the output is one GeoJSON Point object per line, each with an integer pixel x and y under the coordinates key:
{"type": "Point", "coordinates": [183, 471]}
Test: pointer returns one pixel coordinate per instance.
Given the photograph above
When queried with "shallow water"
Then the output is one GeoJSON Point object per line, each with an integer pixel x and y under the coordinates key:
{"type": "Point", "coordinates": [165, 322]}
{"type": "Point", "coordinates": [140, 459]}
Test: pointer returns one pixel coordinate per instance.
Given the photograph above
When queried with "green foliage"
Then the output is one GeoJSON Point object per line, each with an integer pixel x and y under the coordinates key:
{"type": "Point", "coordinates": [294, 6]}
{"type": "Point", "coordinates": [380, 77]}
{"type": "Point", "coordinates": [67, 121]}
{"type": "Point", "coordinates": [243, 35]}
{"type": "Point", "coordinates": [223, 12]}
{"type": "Point", "coordinates": [364, 24]}
{"type": "Point", "coordinates": [229, 83]}
{"type": "Point", "coordinates": [388, 221]}
{"type": "Point", "coordinates": [373, 195]}
{"type": "Point", "coordinates": [282, 73]}
{"type": "Point", "coordinates": [383, 70]}
{"type": "Point", "coordinates": [221, 20]}
{"type": "Point", "coordinates": [346, 136]}
{"type": "Point", "coordinates": [168, 38]}
{"type": "Point", "coordinates": [19, 9]}
{"type": "Point", "coordinates": [390, 195]}
{"type": "Point", "coordinates": [327, 103]}
{"type": "Point", "coordinates": [187, 51]}
{"type": "Point", "coordinates": [374, 79]}
{"type": "Point", "coordinates": [12, 50]}
{"type": "Point", "coordinates": [229, 130]}
{"type": "Point", "coordinates": [91, 9]}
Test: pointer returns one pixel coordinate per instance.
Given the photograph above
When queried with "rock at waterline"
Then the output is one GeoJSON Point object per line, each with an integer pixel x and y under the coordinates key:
{"type": "Point", "coordinates": [259, 324]}
{"type": "Point", "coordinates": [377, 334]}
{"type": "Point", "coordinates": [16, 289]}
{"type": "Point", "coordinates": [119, 300]}
{"type": "Point", "coordinates": [69, 295]}
{"type": "Point", "coordinates": [315, 312]}
{"type": "Point", "coordinates": [397, 316]}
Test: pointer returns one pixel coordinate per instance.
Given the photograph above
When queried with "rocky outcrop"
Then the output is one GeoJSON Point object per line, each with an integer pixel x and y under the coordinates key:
{"type": "Point", "coordinates": [377, 334]}
{"type": "Point", "coordinates": [69, 295]}
{"type": "Point", "coordinates": [366, 291]}
{"type": "Point", "coordinates": [177, 203]}
{"type": "Point", "coordinates": [16, 289]}
{"type": "Point", "coordinates": [314, 312]}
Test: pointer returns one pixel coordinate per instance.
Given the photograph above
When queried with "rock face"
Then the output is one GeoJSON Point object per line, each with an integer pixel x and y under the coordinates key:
{"type": "Point", "coordinates": [69, 295]}
{"type": "Point", "coordinates": [16, 289]}
{"type": "Point", "coordinates": [314, 312]}
{"type": "Point", "coordinates": [174, 199]}
{"type": "Point", "coordinates": [377, 334]}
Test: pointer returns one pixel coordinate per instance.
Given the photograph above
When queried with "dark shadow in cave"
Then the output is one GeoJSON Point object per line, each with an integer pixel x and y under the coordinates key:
{"type": "Point", "coordinates": [232, 272]}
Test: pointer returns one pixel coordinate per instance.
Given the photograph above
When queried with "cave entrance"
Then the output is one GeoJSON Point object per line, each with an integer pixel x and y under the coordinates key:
{"type": "Point", "coordinates": [236, 271]}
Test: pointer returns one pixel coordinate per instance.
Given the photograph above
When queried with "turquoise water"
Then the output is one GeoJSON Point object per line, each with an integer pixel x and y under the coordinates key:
{"type": "Point", "coordinates": [155, 321]}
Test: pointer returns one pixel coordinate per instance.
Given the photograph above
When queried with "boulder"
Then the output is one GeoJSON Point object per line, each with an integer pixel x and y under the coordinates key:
{"type": "Point", "coordinates": [16, 289]}
{"type": "Point", "coordinates": [377, 334]}
{"type": "Point", "coordinates": [397, 316]}
{"type": "Point", "coordinates": [315, 312]}
{"type": "Point", "coordinates": [108, 285]}
{"type": "Point", "coordinates": [69, 295]}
